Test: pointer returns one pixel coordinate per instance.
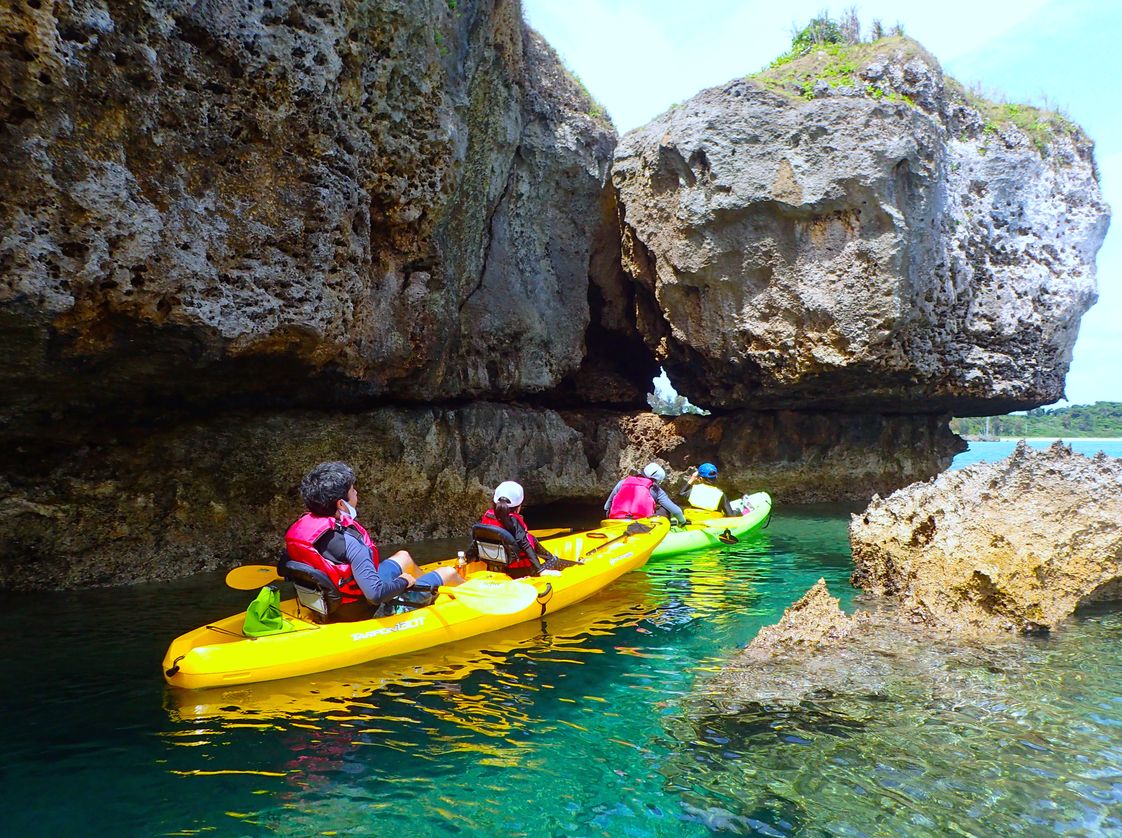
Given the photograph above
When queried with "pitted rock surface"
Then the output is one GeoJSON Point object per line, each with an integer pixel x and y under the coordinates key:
{"type": "Point", "coordinates": [1016, 545]}
{"type": "Point", "coordinates": [814, 623]}
{"type": "Point", "coordinates": [329, 200]}
{"type": "Point", "coordinates": [838, 250]}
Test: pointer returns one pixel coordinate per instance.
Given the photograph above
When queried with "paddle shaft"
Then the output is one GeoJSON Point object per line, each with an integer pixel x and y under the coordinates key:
{"type": "Point", "coordinates": [632, 529]}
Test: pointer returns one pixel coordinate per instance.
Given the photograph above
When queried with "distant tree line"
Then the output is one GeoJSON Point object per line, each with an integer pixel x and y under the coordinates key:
{"type": "Point", "coordinates": [1079, 420]}
{"type": "Point", "coordinates": [675, 405]}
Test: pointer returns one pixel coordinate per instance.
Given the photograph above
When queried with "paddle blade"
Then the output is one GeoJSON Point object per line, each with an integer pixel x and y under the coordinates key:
{"type": "Point", "coordinates": [487, 597]}
{"type": "Point", "coordinates": [250, 577]}
{"type": "Point", "coordinates": [728, 538]}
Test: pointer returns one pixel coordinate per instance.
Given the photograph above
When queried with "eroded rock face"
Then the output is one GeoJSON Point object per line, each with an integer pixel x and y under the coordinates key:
{"type": "Point", "coordinates": [156, 503]}
{"type": "Point", "coordinates": [799, 457]}
{"type": "Point", "coordinates": [210, 494]}
{"type": "Point", "coordinates": [1009, 546]}
{"type": "Point", "coordinates": [830, 248]}
{"type": "Point", "coordinates": [203, 201]}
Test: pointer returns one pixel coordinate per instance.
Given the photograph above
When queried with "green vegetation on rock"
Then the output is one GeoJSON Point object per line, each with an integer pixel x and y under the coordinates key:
{"type": "Point", "coordinates": [1101, 419]}
{"type": "Point", "coordinates": [832, 51]}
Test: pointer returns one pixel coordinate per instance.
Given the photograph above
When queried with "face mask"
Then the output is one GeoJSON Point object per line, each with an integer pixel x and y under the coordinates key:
{"type": "Point", "coordinates": [350, 510]}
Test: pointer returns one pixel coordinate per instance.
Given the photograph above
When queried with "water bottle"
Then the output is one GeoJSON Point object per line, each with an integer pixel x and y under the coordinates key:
{"type": "Point", "coordinates": [461, 563]}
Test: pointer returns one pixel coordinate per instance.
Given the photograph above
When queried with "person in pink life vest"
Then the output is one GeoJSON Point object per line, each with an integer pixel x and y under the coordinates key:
{"type": "Point", "coordinates": [330, 539]}
{"type": "Point", "coordinates": [641, 496]}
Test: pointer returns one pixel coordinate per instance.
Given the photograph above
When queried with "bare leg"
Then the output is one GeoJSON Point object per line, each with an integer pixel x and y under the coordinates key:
{"type": "Point", "coordinates": [449, 576]}
{"type": "Point", "coordinates": [405, 562]}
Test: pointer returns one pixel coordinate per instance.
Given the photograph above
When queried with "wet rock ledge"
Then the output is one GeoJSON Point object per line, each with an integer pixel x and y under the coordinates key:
{"type": "Point", "coordinates": [957, 570]}
{"type": "Point", "coordinates": [1009, 546]}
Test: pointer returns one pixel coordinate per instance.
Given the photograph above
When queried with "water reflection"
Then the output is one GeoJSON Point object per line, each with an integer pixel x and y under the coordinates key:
{"type": "Point", "coordinates": [984, 746]}
{"type": "Point", "coordinates": [435, 674]}
{"type": "Point", "coordinates": [584, 727]}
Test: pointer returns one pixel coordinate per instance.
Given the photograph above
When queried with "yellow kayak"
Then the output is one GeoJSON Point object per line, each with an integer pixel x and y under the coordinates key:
{"type": "Point", "coordinates": [218, 654]}
{"type": "Point", "coordinates": [348, 691]}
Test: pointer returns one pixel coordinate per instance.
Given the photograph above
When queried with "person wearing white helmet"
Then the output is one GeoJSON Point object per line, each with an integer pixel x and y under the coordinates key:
{"type": "Point", "coordinates": [641, 496]}
{"type": "Point", "coordinates": [507, 513]}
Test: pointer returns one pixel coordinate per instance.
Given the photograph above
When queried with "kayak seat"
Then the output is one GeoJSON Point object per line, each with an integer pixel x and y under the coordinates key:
{"type": "Point", "coordinates": [314, 589]}
{"type": "Point", "coordinates": [493, 545]}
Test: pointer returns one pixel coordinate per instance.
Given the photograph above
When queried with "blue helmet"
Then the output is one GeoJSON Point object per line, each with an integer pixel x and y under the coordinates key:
{"type": "Point", "coordinates": [707, 470]}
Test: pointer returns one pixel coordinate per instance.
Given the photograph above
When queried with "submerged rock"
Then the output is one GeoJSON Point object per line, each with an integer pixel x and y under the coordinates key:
{"type": "Point", "coordinates": [1014, 546]}
{"type": "Point", "coordinates": [817, 652]}
{"type": "Point", "coordinates": [814, 622]}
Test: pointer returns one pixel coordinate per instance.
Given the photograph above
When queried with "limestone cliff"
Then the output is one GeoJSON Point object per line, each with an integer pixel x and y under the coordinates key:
{"type": "Point", "coordinates": [238, 238]}
{"type": "Point", "coordinates": [206, 201]}
{"type": "Point", "coordinates": [849, 230]}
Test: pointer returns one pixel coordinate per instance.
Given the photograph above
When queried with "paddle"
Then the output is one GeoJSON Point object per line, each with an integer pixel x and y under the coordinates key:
{"type": "Point", "coordinates": [249, 577]}
{"type": "Point", "coordinates": [550, 532]}
{"type": "Point", "coordinates": [487, 597]}
{"type": "Point", "coordinates": [632, 529]}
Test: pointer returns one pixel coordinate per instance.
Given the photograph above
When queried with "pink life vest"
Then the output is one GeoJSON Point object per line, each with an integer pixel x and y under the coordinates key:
{"type": "Point", "coordinates": [633, 500]}
{"type": "Point", "coordinates": [300, 542]}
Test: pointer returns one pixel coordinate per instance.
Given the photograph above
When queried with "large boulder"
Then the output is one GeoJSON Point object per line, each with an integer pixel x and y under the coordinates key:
{"type": "Point", "coordinates": [851, 230]}
{"type": "Point", "coordinates": [206, 201]}
{"type": "Point", "coordinates": [1016, 545]}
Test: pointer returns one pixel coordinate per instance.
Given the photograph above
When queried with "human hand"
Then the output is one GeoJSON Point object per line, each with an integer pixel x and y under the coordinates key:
{"type": "Point", "coordinates": [409, 579]}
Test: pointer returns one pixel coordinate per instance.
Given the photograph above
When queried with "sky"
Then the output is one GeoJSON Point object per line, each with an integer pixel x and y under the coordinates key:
{"type": "Point", "coordinates": [639, 57]}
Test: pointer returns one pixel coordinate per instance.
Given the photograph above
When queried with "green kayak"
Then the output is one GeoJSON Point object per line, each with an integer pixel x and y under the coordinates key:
{"type": "Point", "coordinates": [706, 530]}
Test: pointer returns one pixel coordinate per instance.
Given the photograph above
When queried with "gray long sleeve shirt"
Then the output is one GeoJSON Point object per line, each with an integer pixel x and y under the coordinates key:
{"type": "Point", "coordinates": [362, 566]}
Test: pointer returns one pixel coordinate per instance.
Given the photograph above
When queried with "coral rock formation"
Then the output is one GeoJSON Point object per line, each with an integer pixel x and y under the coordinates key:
{"type": "Point", "coordinates": [872, 239]}
{"type": "Point", "coordinates": [1015, 545]}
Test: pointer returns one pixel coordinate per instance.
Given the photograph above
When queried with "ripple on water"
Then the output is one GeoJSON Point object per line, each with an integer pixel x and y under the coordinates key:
{"type": "Point", "coordinates": [582, 725]}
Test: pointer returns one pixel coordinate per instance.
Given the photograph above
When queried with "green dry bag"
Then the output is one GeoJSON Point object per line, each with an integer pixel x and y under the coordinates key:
{"type": "Point", "coordinates": [263, 616]}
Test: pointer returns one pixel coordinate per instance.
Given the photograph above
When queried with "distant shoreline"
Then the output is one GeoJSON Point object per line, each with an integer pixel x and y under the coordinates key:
{"type": "Point", "coordinates": [1055, 439]}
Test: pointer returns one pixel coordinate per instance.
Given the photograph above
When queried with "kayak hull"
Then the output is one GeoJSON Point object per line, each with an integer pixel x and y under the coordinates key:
{"type": "Point", "coordinates": [705, 528]}
{"type": "Point", "coordinates": [218, 654]}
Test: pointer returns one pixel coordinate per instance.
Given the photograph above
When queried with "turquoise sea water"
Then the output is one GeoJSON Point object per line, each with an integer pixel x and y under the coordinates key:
{"type": "Point", "coordinates": [585, 724]}
{"type": "Point", "coordinates": [988, 452]}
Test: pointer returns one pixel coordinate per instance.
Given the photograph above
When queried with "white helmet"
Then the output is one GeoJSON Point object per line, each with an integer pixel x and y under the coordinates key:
{"type": "Point", "coordinates": [655, 472]}
{"type": "Point", "coordinates": [511, 492]}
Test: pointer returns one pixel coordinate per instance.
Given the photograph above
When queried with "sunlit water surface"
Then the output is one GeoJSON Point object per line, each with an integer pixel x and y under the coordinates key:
{"type": "Point", "coordinates": [585, 724]}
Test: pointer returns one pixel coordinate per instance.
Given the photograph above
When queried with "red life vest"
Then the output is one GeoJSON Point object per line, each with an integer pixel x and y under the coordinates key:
{"type": "Point", "coordinates": [633, 500]}
{"type": "Point", "coordinates": [490, 518]}
{"type": "Point", "coordinates": [300, 542]}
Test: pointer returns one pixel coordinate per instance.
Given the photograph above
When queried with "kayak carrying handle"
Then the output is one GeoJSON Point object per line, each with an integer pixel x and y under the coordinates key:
{"type": "Point", "coordinates": [545, 595]}
{"type": "Point", "coordinates": [174, 666]}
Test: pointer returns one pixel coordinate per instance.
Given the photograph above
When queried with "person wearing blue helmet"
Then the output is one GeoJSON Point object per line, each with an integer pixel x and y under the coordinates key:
{"type": "Point", "coordinates": [701, 491]}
